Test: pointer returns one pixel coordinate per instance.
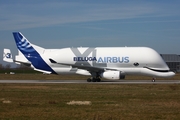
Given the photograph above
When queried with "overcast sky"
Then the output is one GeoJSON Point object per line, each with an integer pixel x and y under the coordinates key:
{"type": "Point", "coordinates": [70, 23]}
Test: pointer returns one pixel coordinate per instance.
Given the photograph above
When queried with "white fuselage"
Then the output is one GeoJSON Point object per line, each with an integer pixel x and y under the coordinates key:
{"type": "Point", "coordinates": [128, 60]}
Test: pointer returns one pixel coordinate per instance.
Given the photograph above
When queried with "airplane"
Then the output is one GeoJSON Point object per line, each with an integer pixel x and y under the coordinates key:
{"type": "Point", "coordinates": [112, 63]}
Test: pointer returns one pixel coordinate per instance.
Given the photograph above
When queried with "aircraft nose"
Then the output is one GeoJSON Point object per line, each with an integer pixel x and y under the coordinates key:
{"type": "Point", "coordinates": [171, 74]}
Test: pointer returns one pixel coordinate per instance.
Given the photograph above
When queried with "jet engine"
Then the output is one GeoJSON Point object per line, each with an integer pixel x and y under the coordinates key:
{"type": "Point", "coordinates": [112, 75]}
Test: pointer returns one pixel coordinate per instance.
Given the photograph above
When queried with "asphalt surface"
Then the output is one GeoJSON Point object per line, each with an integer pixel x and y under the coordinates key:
{"type": "Point", "coordinates": [85, 82]}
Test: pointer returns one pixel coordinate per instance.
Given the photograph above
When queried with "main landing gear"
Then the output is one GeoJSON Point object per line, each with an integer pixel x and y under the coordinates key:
{"type": "Point", "coordinates": [95, 77]}
{"type": "Point", "coordinates": [93, 80]}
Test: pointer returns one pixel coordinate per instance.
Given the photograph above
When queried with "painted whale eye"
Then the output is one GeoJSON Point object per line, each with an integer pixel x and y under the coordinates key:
{"type": "Point", "coordinates": [136, 64]}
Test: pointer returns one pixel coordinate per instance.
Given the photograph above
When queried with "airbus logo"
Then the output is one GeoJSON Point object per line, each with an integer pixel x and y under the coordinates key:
{"type": "Point", "coordinates": [103, 59]}
{"type": "Point", "coordinates": [82, 57]}
{"type": "Point", "coordinates": [85, 59]}
{"type": "Point", "coordinates": [113, 60]}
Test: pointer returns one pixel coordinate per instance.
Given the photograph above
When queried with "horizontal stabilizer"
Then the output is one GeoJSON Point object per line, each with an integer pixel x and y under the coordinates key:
{"type": "Point", "coordinates": [24, 63]}
{"type": "Point", "coordinates": [20, 58]}
{"type": "Point", "coordinates": [47, 72]}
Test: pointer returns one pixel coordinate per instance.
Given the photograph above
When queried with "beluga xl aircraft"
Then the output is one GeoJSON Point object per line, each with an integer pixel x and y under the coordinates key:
{"type": "Point", "coordinates": [112, 63]}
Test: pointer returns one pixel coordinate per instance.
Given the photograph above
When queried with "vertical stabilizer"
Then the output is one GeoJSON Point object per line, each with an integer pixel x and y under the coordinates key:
{"type": "Point", "coordinates": [7, 56]}
{"type": "Point", "coordinates": [25, 46]}
{"type": "Point", "coordinates": [32, 53]}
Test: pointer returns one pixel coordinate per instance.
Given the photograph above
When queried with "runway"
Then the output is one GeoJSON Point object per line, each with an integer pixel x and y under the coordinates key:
{"type": "Point", "coordinates": [85, 82]}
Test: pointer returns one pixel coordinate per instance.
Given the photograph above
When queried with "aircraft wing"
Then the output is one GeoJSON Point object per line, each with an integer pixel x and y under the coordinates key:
{"type": "Point", "coordinates": [84, 67]}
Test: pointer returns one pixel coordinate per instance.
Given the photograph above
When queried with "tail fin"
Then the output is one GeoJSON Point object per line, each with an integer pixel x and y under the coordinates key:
{"type": "Point", "coordinates": [25, 46]}
{"type": "Point", "coordinates": [7, 56]}
{"type": "Point", "coordinates": [32, 53]}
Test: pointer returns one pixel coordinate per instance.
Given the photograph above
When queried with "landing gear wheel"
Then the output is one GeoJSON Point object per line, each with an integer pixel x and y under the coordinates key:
{"type": "Point", "coordinates": [98, 80]}
{"type": "Point", "coordinates": [94, 80]}
{"type": "Point", "coordinates": [89, 80]}
{"type": "Point", "coordinates": [154, 79]}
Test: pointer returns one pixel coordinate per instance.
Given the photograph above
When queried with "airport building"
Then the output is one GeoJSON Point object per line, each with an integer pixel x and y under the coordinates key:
{"type": "Point", "coordinates": [173, 61]}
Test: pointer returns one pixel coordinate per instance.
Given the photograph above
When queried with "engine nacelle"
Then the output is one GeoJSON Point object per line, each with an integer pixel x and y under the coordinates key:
{"type": "Point", "coordinates": [112, 75]}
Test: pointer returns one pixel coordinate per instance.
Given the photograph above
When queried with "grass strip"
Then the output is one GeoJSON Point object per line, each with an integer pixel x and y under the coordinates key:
{"type": "Point", "coordinates": [107, 101]}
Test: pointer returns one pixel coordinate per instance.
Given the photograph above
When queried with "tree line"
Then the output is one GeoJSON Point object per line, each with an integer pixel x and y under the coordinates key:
{"type": "Point", "coordinates": [18, 69]}
{"type": "Point", "coordinates": [8, 66]}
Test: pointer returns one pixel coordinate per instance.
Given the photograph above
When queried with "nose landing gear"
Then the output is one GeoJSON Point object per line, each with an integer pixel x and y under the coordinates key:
{"type": "Point", "coordinates": [154, 79]}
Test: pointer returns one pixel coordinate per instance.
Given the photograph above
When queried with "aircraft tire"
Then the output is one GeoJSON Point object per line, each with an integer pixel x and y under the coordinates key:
{"type": "Point", "coordinates": [94, 80]}
{"type": "Point", "coordinates": [98, 80]}
{"type": "Point", "coordinates": [89, 80]}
